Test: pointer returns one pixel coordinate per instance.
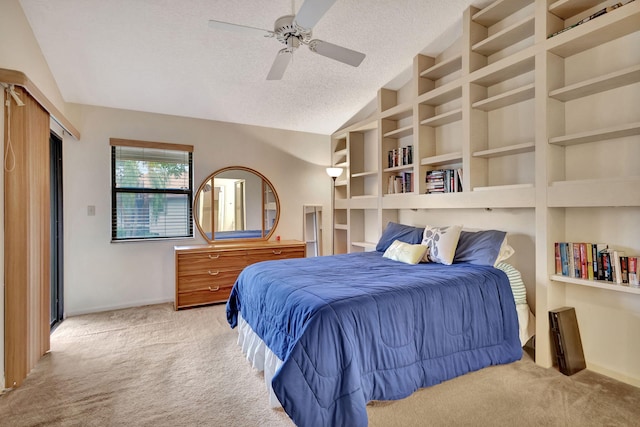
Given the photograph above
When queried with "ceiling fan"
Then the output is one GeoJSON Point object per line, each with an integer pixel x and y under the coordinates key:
{"type": "Point", "coordinates": [294, 30]}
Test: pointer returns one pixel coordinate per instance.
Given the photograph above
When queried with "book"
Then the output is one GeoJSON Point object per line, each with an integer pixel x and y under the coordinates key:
{"type": "Point", "coordinates": [624, 269]}
{"type": "Point", "coordinates": [577, 265]}
{"type": "Point", "coordinates": [564, 259]}
{"type": "Point", "coordinates": [601, 248]}
{"type": "Point", "coordinates": [615, 266]}
{"type": "Point", "coordinates": [594, 255]}
{"type": "Point", "coordinates": [633, 271]}
{"type": "Point", "coordinates": [556, 248]}
{"type": "Point", "coordinates": [590, 271]}
{"type": "Point", "coordinates": [606, 265]}
{"type": "Point", "coordinates": [583, 260]}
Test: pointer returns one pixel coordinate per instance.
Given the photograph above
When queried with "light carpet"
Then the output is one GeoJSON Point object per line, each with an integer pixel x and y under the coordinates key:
{"type": "Point", "coordinates": [153, 366]}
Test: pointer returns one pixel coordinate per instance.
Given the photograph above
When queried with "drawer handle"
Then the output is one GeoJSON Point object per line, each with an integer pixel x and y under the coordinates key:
{"type": "Point", "coordinates": [216, 256]}
{"type": "Point", "coordinates": [213, 273]}
{"type": "Point", "coordinates": [276, 252]}
{"type": "Point", "coordinates": [217, 288]}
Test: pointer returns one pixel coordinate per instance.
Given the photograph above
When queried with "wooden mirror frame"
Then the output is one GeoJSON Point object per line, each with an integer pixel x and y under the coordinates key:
{"type": "Point", "coordinates": [265, 182]}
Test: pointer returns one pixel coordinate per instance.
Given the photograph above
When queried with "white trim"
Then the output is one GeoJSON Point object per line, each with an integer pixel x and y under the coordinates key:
{"type": "Point", "coordinates": [117, 307]}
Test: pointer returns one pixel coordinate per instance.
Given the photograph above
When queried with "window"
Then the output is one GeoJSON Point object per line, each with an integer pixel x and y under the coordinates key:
{"type": "Point", "coordinates": [151, 190]}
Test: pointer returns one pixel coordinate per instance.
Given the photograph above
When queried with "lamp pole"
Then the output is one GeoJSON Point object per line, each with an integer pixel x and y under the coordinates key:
{"type": "Point", "coordinates": [333, 173]}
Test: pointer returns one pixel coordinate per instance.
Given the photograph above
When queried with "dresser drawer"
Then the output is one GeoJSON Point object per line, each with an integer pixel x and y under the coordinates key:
{"type": "Point", "coordinates": [212, 278]}
{"type": "Point", "coordinates": [267, 254]}
{"type": "Point", "coordinates": [196, 263]}
{"type": "Point", "coordinates": [203, 296]}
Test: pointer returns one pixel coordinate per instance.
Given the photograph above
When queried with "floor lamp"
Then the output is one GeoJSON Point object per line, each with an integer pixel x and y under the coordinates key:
{"type": "Point", "coordinates": [333, 173]}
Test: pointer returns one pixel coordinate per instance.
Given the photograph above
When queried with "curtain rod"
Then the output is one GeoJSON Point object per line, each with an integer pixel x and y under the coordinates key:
{"type": "Point", "coordinates": [18, 78]}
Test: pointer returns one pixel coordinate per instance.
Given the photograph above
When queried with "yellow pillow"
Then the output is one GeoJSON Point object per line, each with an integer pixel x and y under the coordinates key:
{"type": "Point", "coordinates": [405, 252]}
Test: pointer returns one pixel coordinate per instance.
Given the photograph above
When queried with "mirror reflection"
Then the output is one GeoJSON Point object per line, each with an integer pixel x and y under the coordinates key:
{"type": "Point", "coordinates": [236, 203]}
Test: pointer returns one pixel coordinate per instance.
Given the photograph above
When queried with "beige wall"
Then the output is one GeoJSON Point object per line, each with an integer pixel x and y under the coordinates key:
{"type": "Point", "coordinates": [19, 51]}
{"type": "Point", "coordinates": [101, 275]}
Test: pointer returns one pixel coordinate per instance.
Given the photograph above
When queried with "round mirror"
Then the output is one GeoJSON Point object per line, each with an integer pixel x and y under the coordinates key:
{"type": "Point", "coordinates": [236, 203]}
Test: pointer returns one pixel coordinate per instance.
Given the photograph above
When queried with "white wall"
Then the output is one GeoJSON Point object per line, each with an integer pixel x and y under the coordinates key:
{"type": "Point", "coordinates": [518, 223]}
{"type": "Point", "coordinates": [102, 275]}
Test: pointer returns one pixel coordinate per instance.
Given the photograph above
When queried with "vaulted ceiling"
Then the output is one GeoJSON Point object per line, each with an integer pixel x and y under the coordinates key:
{"type": "Point", "coordinates": [161, 56]}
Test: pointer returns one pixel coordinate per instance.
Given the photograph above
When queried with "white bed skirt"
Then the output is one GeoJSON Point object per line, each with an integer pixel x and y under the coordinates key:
{"type": "Point", "coordinates": [264, 360]}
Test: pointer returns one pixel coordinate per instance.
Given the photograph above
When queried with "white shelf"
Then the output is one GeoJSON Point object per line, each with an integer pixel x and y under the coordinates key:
{"type": "Point", "coordinates": [510, 97]}
{"type": "Point", "coordinates": [597, 135]}
{"type": "Point", "coordinates": [508, 150]}
{"type": "Point", "coordinates": [500, 198]}
{"type": "Point", "coordinates": [443, 119]}
{"type": "Point", "coordinates": [443, 159]}
{"type": "Point", "coordinates": [400, 132]}
{"type": "Point", "coordinates": [365, 245]}
{"type": "Point", "coordinates": [444, 68]}
{"type": "Point", "coordinates": [498, 10]}
{"type": "Point", "coordinates": [401, 111]}
{"type": "Point", "coordinates": [622, 191]}
{"type": "Point", "coordinates": [506, 68]}
{"type": "Point", "coordinates": [442, 94]}
{"type": "Point", "coordinates": [505, 38]}
{"type": "Point", "coordinates": [341, 183]}
{"type": "Point", "coordinates": [610, 286]}
{"type": "Point", "coordinates": [609, 81]}
{"type": "Point", "coordinates": [399, 168]}
{"type": "Point", "coordinates": [340, 226]}
{"type": "Point", "coordinates": [361, 174]}
{"type": "Point", "coordinates": [503, 187]}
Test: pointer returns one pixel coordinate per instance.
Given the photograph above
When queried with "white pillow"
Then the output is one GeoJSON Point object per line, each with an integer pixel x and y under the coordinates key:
{"type": "Point", "coordinates": [405, 252]}
{"type": "Point", "coordinates": [442, 243]}
{"type": "Point", "coordinates": [505, 252]}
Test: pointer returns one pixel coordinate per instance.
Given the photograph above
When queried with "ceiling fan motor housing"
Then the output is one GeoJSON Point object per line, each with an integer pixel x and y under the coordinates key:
{"type": "Point", "coordinates": [289, 33]}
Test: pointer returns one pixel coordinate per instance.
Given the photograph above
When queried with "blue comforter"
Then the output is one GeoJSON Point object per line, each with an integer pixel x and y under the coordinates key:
{"type": "Point", "coordinates": [360, 327]}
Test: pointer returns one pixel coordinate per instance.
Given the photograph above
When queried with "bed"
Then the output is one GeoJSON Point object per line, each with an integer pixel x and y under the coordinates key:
{"type": "Point", "coordinates": [333, 333]}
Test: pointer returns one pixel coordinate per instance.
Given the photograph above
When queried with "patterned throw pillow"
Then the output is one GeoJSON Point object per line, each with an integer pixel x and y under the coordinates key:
{"type": "Point", "coordinates": [405, 252]}
{"type": "Point", "coordinates": [442, 242]}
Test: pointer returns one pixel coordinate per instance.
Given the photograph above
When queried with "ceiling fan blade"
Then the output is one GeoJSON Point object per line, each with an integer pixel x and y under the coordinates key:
{"type": "Point", "coordinates": [339, 53]}
{"type": "Point", "coordinates": [228, 26]}
{"type": "Point", "coordinates": [311, 11]}
{"type": "Point", "coordinates": [280, 64]}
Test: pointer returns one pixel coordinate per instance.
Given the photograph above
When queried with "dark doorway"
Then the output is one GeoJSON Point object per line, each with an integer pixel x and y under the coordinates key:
{"type": "Point", "coordinates": [57, 260]}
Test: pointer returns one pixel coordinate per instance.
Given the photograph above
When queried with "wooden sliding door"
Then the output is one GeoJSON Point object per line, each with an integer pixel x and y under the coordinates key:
{"type": "Point", "coordinates": [27, 236]}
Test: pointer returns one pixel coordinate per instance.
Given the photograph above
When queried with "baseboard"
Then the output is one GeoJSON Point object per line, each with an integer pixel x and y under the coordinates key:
{"type": "Point", "coordinates": [71, 313]}
{"type": "Point", "coordinates": [613, 374]}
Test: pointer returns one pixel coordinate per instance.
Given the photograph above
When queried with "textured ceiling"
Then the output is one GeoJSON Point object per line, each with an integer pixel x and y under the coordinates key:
{"type": "Point", "coordinates": [160, 56]}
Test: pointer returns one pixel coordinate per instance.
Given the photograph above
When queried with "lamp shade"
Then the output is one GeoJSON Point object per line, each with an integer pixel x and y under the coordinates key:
{"type": "Point", "coordinates": [334, 172]}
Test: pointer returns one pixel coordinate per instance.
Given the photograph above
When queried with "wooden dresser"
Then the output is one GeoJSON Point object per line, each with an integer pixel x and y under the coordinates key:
{"type": "Point", "coordinates": [205, 274]}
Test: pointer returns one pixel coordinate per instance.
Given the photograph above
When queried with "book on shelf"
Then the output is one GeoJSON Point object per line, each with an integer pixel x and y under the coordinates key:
{"type": "Point", "coordinates": [624, 269]}
{"type": "Point", "coordinates": [401, 156]}
{"type": "Point", "coordinates": [443, 181]}
{"type": "Point", "coordinates": [401, 183]}
{"type": "Point", "coordinates": [616, 267]}
{"type": "Point", "coordinates": [633, 271]}
{"type": "Point", "coordinates": [589, 18]}
{"type": "Point", "coordinates": [595, 261]}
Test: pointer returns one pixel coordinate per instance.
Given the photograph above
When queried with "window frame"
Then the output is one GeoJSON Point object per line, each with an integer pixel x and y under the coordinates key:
{"type": "Point", "coordinates": [117, 142]}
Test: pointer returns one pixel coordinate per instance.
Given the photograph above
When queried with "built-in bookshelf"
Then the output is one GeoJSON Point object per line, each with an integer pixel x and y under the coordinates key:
{"type": "Point", "coordinates": [532, 122]}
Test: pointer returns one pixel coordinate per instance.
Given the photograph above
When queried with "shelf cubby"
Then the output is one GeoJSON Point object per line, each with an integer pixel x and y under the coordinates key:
{"type": "Point", "coordinates": [585, 137]}
{"type": "Point", "coordinates": [509, 36]}
{"type": "Point", "coordinates": [442, 69]}
{"type": "Point", "coordinates": [598, 84]}
{"type": "Point", "coordinates": [505, 99]}
{"type": "Point", "coordinates": [525, 147]}
{"type": "Point", "coordinates": [498, 10]}
{"type": "Point", "coordinates": [620, 191]}
{"type": "Point", "coordinates": [442, 159]}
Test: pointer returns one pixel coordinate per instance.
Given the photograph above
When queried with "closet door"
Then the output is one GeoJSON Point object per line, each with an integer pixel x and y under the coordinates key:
{"type": "Point", "coordinates": [27, 237]}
